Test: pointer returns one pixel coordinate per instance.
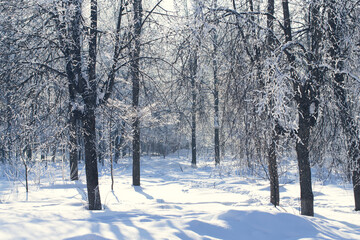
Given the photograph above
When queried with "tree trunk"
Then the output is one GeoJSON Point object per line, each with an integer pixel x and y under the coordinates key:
{"type": "Point", "coordinates": [91, 160]}
{"type": "Point", "coordinates": [26, 160]}
{"type": "Point", "coordinates": [122, 140]}
{"type": "Point", "coordinates": [70, 30]}
{"type": "Point", "coordinates": [89, 95]}
{"type": "Point", "coordinates": [272, 159]}
{"type": "Point", "coordinates": [135, 74]}
{"type": "Point", "coordinates": [53, 156]}
{"type": "Point", "coordinates": [193, 70]}
{"type": "Point", "coordinates": [302, 150]}
{"type": "Point", "coordinates": [74, 145]}
{"type": "Point", "coordinates": [26, 177]}
{"type": "Point", "coordinates": [111, 153]}
{"type": "Point", "coordinates": [9, 126]}
{"type": "Point", "coordinates": [70, 36]}
{"type": "Point", "coordinates": [216, 92]}
{"type": "Point", "coordinates": [356, 186]}
{"type": "Point", "coordinates": [136, 153]}
{"type": "Point", "coordinates": [302, 92]}
{"type": "Point", "coordinates": [193, 136]}
{"type": "Point", "coordinates": [273, 171]}
{"type": "Point", "coordinates": [101, 144]}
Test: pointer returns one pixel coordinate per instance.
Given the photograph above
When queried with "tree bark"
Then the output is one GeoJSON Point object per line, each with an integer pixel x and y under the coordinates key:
{"type": "Point", "coordinates": [302, 97]}
{"type": "Point", "coordinates": [302, 150]}
{"type": "Point", "coordinates": [272, 164]}
{"type": "Point", "coordinates": [101, 144]}
{"type": "Point", "coordinates": [86, 87]}
{"type": "Point", "coordinates": [117, 144]}
{"type": "Point", "coordinates": [273, 171]}
{"type": "Point", "coordinates": [74, 146]}
{"type": "Point", "coordinates": [135, 74]}
{"type": "Point", "coordinates": [89, 95]}
{"type": "Point", "coordinates": [122, 140]}
{"type": "Point", "coordinates": [72, 50]}
{"type": "Point", "coordinates": [111, 152]}
{"type": "Point", "coordinates": [193, 70]}
{"type": "Point", "coordinates": [216, 91]}
{"type": "Point", "coordinates": [26, 177]}
{"type": "Point", "coordinates": [91, 160]}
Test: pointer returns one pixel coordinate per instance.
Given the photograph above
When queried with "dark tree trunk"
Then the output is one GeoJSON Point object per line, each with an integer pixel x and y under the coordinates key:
{"type": "Point", "coordinates": [9, 126]}
{"type": "Point", "coordinates": [272, 164]}
{"type": "Point", "coordinates": [26, 177]}
{"type": "Point", "coordinates": [302, 150]}
{"type": "Point", "coordinates": [74, 146]}
{"type": "Point", "coordinates": [216, 93]}
{"type": "Point", "coordinates": [53, 156]}
{"type": "Point", "coordinates": [303, 94]}
{"type": "Point", "coordinates": [111, 152]}
{"type": "Point", "coordinates": [122, 140]}
{"type": "Point", "coordinates": [89, 95]}
{"type": "Point", "coordinates": [136, 153]}
{"type": "Point", "coordinates": [217, 142]}
{"type": "Point", "coordinates": [101, 145]}
{"type": "Point", "coordinates": [135, 74]}
{"type": "Point", "coordinates": [193, 71]}
{"type": "Point", "coordinates": [356, 186]}
{"type": "Point", "coordinates": [26, 161]}
{"type": "Point", "coordinates": [70, 40]}
{"type": "Point", "coordinates": [70, 31]}
{"type": "Point", "coordinates": [347, 121]}
{"type": "Point", "coordinates": [193, 137]}
{"type": "Point", "coordinates": [91, 160]}
{"type": "Point", "coordinates": [270, 24]}
{"type": "Point", "coordinates": [273, 171]}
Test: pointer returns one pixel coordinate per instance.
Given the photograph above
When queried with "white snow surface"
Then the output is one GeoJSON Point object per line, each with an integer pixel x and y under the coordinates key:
{"type": "Point", "coordinates": [174, 201]}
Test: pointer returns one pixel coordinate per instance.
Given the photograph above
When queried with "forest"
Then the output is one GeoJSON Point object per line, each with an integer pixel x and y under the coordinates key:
{"type": "Point", "coordinates": [91, 82]}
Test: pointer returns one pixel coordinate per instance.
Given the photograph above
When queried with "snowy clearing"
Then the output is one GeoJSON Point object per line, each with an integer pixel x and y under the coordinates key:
{"type": "Point", "coordinates": [174, 201]}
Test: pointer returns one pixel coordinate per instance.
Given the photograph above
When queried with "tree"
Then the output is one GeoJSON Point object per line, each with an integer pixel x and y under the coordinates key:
{"type": "Point", "coordinates": [273, 168]}
{"type": "Point", "coordinates": [337, 21]}
{"type": "Point", "coordinates": [135, 78]}
{"type": "Point", "coordinates": [306, 99]}
{"type": "Point", "coordinates": [216, 87]}
{"type": "Point", "coordinates": [85, 85]}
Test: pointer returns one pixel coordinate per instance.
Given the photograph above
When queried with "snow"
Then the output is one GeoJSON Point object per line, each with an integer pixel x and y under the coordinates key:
{"type": "Point", "coordinates": [174, 201]}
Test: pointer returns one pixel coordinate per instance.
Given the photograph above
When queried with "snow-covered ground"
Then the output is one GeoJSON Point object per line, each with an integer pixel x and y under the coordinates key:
{"type": "Point", "coordinates": [174, 201]}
